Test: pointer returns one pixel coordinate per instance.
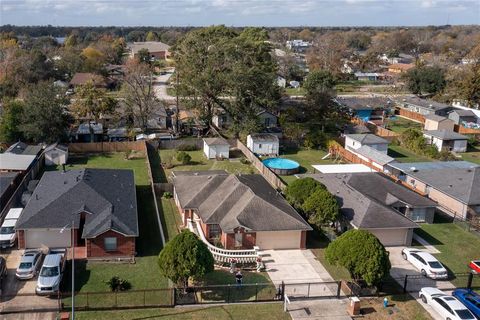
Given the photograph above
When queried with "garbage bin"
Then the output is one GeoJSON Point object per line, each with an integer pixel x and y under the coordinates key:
{"type": "Point", "coordinates": [354, 306]}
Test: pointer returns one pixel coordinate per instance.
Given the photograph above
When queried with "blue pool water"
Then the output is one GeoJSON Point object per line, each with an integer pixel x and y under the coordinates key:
{"type": "Point", "coordinates": [280, 163]}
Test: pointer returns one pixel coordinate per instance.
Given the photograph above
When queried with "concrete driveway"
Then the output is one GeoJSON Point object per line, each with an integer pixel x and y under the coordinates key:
{"type": "Point", "coordinates": [20, 295]}
{"type": "Point", "coordinates": [401, 268]}
{"type": "Point", "coordinates": [160, 85]}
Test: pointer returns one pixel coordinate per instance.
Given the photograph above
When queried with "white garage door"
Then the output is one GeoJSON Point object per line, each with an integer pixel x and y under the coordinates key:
{"type": "Point", "coordinates": [278, 239]}
{"type": "Point", "coordinates": [391, 237]}
{"type": "Point", "coordinates": [51, 238]}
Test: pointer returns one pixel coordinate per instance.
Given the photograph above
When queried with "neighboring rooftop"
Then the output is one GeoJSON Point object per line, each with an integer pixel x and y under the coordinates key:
{"type": "Point", "coordinates": [15, 162]}
{"type": "Point", "coordinates": [367, 138]}
{"type": "Point", "coordinates": [445, 134]}
{"type": "Point", "coordinates": [356, 103]}
{"type": "Point", "coordinates": [424, 103]}
{"type": "Point", "coordinates": [413, 166]}
{"type": "Point", "coordinates": [265, 137]}
{"type": "Point", "coordinates": [464, 113]}
{"type": "Point", "coordinates": [462, 184]}
{"type": "Point", "coordinates": [151, 46]}
{"type": "Point", "coordinates": [6, 179]}
{"type": "Point", "coordinates": [366, 199]}
{"type": "Point", "coordinates": [374, 155]}
{"type": "Point", "coordinates": [107, 196]}
{"type": "Point", "coordinates": [402, 66]}
{"type": "Point", "coordinates": [341, 168]}
{"type": "Point", "coordinates": [232, 201]}
{"type": "Point", "coordinates": [57, 146]}
{"type": "Point", "coordinates": [23, 148]}
{"type": "Point", "coordinates": [436, 117]}
{"type": "Point", "coordinates": [82, 78]}
{"type": "Point", "coordinates": [216, 141]}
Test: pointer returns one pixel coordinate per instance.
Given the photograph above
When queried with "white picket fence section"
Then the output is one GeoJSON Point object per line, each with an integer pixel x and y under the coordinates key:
{"type": "Point", "coordinates": [223, 255]}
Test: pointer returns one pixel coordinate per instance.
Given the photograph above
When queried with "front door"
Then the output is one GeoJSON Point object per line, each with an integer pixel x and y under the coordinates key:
{"type": "Point", "coordinates": [238, 240]}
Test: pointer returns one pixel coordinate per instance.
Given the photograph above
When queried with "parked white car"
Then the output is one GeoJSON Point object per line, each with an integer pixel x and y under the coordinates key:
{"type": "Point", "coordinates": [8, 234]}
{"type": "Point", "coordinates": [50, 276]}
{"type": "Point", "coordinates": [427, 264]}
{"type": "Point", "coordinates": [448, 307]}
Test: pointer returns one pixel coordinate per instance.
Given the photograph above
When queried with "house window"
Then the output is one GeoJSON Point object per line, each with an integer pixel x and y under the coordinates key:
{"type": "Point", "coordinates": [214, 231]}
{"type": "Point", "coordinates": [238, 240]}
{"type": "Point", "coordinates": [110, 244]}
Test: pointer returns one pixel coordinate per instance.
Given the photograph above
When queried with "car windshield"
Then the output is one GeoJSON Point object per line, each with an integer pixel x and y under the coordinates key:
{"type": "Point", "coordinates": [49, 272]}
{"type": "Point", "coordinates": [7, 230]}
{"type": "Point", "coordinates": [435, 264]}
{"type": "Point", "coordinates": [465, 314]}
{"type": "Point", "coordinates": [25, 265]}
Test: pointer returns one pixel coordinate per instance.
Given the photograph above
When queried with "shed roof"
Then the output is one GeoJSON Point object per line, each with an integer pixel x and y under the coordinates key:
{"type": "Point", "coordinates": [15, 162]}
{"type": "Point", "coordinates": [219, 141]}
{"type": "Point", "coordinates": [264, 137]}
{"type": "Point", "coordinates": [367, 138]}
{"type": "Point", "coordinates": [374, 155]}
{"type": "Point", "coordinates": [445, 135]}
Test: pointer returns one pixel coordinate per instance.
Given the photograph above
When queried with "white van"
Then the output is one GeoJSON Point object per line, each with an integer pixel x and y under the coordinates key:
{"type": "Point", "coordinates": [8, 236]}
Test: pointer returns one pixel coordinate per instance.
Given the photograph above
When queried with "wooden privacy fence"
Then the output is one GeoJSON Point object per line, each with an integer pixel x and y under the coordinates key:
{"type": "Point", "coordinates": [382, 132]}
{"type": "Point", "coordinates": [410, 115]}
{"type": "Point", "coordinates": [268, 174]}
{"type": "Point", "coordinates": [174, 144]}
{"type": "Point", "coordinates": [462, 130]}
{"type": "Point", "coordinates": [346, 155]}
{"type": "Point", "coordinates": [99, 147]}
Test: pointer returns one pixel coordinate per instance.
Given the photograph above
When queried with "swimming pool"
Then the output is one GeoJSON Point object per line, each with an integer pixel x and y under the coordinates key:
{"type": "Point", "coordinates": [282, 166]}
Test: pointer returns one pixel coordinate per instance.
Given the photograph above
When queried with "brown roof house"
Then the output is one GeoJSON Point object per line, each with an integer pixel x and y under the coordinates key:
{"type": "Point", "coordinates": [239, 212]}
{"type": "Point", "coordinates": [400, 67]}
{"type": "Point", "coordinates": [80, 79]}
{"type": "Point", "coordinates": [157, 50]}
{"type": "Point", "coordinates": [100, 203]}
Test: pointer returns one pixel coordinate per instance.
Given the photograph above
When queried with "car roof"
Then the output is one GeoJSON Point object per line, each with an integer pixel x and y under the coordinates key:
{"type": "Point", "coordinates": [453, 302]}
{"type": "Point", "coordinates": [9, 223]}
{"type": "Point", "coordinates": [426, 256]}
{"type": "Point", "coordinates": [52, 260]}
{"type": "Point", "coordinates": [14, 213]}
{"type": "Point", "coordinates": [27, 258]}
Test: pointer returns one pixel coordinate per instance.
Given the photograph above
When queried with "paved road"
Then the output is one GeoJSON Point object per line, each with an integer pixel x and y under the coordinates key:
{"type": "Point", "coordinates": [160, 85]}
{"type": "Point", "coordinates": [401, 267]}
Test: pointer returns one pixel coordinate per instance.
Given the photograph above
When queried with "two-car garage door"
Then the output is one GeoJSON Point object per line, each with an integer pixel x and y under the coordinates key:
{"type": "Point", "coordinates": [278, 239]}
{"type": "Point", "coordinates": [51, 238]}
{"type": "Point", "coordinates": [393, 237]}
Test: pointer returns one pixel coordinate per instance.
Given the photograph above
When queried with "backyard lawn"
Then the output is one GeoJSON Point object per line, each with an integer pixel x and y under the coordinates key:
{"type": "Point", "coordinates": [200, 162]}
{"type": "Point", "coordinates": [402, 154]}
{"type": "Point", "coordinates": [144, 273]}
{"type": "Point", "coordinates": [457, 246]}
{"type": "Point", "coordinates": [268, 311]}
{"type": "Point", "coordinates": [305, 158]}
{"type": "Point", "coordinates": [399, 125]}
{"type": "Point", "coordinates": [473, 155]}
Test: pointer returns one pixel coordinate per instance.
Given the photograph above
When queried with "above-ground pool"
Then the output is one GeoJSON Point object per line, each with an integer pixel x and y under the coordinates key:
{"type": "Point", "coordinates": [282, 166]}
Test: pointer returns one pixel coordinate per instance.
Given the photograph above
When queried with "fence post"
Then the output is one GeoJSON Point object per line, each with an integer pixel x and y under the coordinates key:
{"type": "Point", "coordinates": [87, 300]}
{"type": "Point", "coordinates": [283, 291]}
{"type": "Point", "coordinates": [115, 298]}
{"type": "Point", "coordinates": [308, 291]}
{"type": "Point", "coordinates": [144, 299]}
{"type": "Point", "coordinates": [339, 286]}
{"type": "Point", "coordinates": [405, 284]}
{"type": "Point", "coordinates": [174, 296]}
{"type": "Point", "coordinates": [470, 279]}
{"type": "Point", "coordinates": [228, 294]}
{"type": "Point", "coordinates": [256, 291]}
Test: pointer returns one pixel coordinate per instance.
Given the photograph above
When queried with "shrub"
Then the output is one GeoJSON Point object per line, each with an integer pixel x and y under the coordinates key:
{"type": "Point", "coordinates": [167, 195]}
{"type": "Point", "coordinates": [299, 190]}
{"type": "Point", "coordinates": [244, 160]}
{"type": "Point", "coordinates": [187, 147]}
{"type": "Point", "coordinates": [118, 284]}
{"type": "Point", "coordinates": [321, 207]}
{"type": "Point", "coordinates": [315, 140]}
{"type": "Point", "coordinates": [183, 157]}
{"type": "Point", "coordinates": [168, 162]}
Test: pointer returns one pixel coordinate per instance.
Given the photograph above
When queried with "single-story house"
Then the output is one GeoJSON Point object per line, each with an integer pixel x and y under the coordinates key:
{"type": "Point", "coordinates": [446, 140]}
{"type": "Point", "coordinates": [367, 76]}
{"type": "Point", "coordinates": [400, 67]}
{"type": "Point", "coordinates": [267, 119]}
{"type": "Point", "coordinates": [424, 106]}
{"type": "Point", "coordinates": [454, 185]}
{"type": "Point", "coordinates": [263, 144]}
{"type": "Point", "coordinates": [101, 204]}
{"type": "Point", "coordinates": [157, 120]}
{"type": "Point", "coordinates": [157, 50]}
{"type": "Point", "coordinates": [214, 148]}
{"type": "Point", "coordinates": [366, 109]}
{"type": "Point", "coordinates": [23, 148]}
{"type": "Point", "coordinates": [378, 160]}
{"type": "Point", "coordinates": [436, 122]}
{"type": "Point", "coordinates": [240, 212]}
{"type": "Point", "coordinates": [82, 78]}
{"type": "Point", "coordinates": [356, 141]}
{"type": "Point", "coordinates": [459, 116]}
{"type": "Point", "coordinates": [56, 154]}
{"type": "Point", "coordinates": [371, 201]}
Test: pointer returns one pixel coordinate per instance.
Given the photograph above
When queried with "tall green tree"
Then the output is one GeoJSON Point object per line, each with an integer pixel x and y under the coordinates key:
{"type": "Point", "coordinates": [471, 86]}
{"type": "Point", "coordinates": [362, 254]}
{"type": "Point", "coordinates": [143, 55]}
{"type": "Point", "coordinates": [11, 120]}
{"type": "Point", "coordinates": [299, 190]}
{"type": "Point", "coordinates": [45, 118]}
{"type": "Point", "coordinates": [185, 257]}
{"type": "Point", "coordinates": [426, 80]}
{"type": "Point", "coordinates": [321, 208]}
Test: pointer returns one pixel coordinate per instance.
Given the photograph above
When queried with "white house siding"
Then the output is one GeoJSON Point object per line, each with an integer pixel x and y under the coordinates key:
{"type": "Point", "coordinates": [214, 151]}
{"type": "Point", "coordinates": [265, 148]}
{"type": "Point", "coordinates": [47, 238]}
{"type": "Point", "coordinates": [393, 237]}
{"type": "Point", "coordinates": [278, 240]}
{"type": "Point", "coordinates": [460, 146]}
{"type": "Point", "coordinates": [351, 144]}
{"type": "Point", "coordinates": [55, 157]}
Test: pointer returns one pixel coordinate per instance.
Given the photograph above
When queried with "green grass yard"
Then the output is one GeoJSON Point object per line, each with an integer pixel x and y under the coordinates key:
{"type": "Point", "coordinates": [472, 155]}
{"type": "Point", "coordinates": [145, 272]}
{"type": "Point", "coordinates": [200, 162]}
{"type": "Point", "coordinates": [269, 311]}
{"type": "Point", "coordinates": [402, 154]}
{"type": "Point", "coordinates": [399, 125]}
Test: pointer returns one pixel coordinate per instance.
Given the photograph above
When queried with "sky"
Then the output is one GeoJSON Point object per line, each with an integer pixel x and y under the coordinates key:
{"type": "Point", "coordinates": [239, 12]}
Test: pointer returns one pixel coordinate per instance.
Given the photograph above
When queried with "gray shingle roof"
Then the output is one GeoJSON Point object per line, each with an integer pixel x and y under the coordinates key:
{"type": "Point", "coordinates": [461, 184]}
{"type": "Point", "coordinates": [375, 155]}
{"type": "Point", "coordinates": [265, 137]}
{"type": "Point", "coordinates": [216, 141]}
{"type": "Point", "coordinates": [365, 199]}
{"type": "Point", "coordinates": [407, 166]}
{"type": "Point", "coordinates": [6, 178]}
{"type": "Point", "coordinates": [23, 148]}
{"type": "Point", "coordinates": [435, 117]}
{"type": "Point", "coordinates": [367, 103]}
{"type": "Point", "coordinates": [427, 104]}
{"type": "Point", "coordinates": [233, 201]}
{"type": "Point", "coordinates": [445, 135]}
{"type": "Point", "coordinates": [367, 138]}
{"type": "Point", "coordinates": [57, 146]}
{"type": "Point", "coordinates": [107, 195]}
{"type": "Point", "coordinates": [16, 162]}
{"type": "Point", "coordinates": [151, 46]}
{"type": "Point", "coordinates": [464, 113]}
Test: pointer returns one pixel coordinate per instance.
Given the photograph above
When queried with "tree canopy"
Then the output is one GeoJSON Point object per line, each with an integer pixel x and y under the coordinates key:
{"type": "Point", "coordinates": [184, 257]}
{"type": "Point", "coordinates": [426, 80]}
{"type": "Point", "coordinates": [321, 207]}
{"type": "Point", "coordinates": [362, 254]}
{"type": "Point", "coordinates": [299, 190]}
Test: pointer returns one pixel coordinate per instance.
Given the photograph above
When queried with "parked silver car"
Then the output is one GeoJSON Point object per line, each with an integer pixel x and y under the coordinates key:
{"type": "Point", "coordinates": [30, 262]}
{"type": "Point", "coordinates": [50, 276]}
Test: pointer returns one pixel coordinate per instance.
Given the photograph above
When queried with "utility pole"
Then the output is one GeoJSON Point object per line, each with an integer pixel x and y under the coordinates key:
{"type": "Point", "coordinates": [176, 94]}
